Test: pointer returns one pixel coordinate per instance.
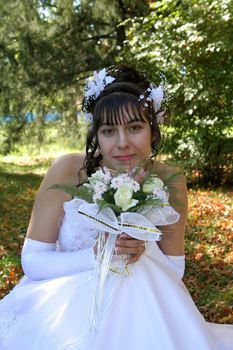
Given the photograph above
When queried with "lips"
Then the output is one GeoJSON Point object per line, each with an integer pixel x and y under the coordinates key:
{"type": "Point", "coordinates": [125, 157]}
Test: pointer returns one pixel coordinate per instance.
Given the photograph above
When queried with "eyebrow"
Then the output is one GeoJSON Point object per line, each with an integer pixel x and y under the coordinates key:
{"type": "Point", "coordinates": [129, 122]}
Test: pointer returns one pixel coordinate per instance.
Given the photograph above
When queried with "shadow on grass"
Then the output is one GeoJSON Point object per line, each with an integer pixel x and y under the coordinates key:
{"type": "Point", "coordinates": [17, 194]}
{"type": "Point", "coordinates": [18, 187]}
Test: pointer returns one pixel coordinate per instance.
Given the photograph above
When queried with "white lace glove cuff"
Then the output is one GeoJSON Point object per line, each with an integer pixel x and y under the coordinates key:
{"type": "Point", "coordinates": [177, 263]}
{"type": "Point", "coordinates": [40, 260]}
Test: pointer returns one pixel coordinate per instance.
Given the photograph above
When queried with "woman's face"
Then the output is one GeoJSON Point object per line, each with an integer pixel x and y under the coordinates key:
{"type": "Point", "coordinates": [123, 146]}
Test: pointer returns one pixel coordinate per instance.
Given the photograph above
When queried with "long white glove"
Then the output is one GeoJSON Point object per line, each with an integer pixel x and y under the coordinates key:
{"type": "Point", "coordinates": [40, 260]}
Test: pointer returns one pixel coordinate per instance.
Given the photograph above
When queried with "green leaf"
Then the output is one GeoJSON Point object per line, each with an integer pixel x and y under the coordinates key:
{"type": "Point", "coordinates": [81, 191]}
{"type": "Point", "coordinates": [103, 204]}
{"type": "Point", "coordinates": [148, 204]}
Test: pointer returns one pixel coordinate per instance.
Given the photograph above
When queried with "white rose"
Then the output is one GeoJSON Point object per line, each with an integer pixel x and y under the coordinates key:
{"type": "Point", "coordinates": [123, 197]}
{"type": "Point", "coordinates": [152, 184]}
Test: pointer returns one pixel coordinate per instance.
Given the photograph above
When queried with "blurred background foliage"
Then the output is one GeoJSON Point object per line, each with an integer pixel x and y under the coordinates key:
{"type": "Point", "coordinates": [49, 47]}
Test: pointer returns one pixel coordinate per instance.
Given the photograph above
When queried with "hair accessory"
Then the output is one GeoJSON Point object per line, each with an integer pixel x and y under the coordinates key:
{"type": "Point", "coordinates": [94, 87]}
{"type": "Point", "coordinates": [88, 118]}
{"type": "Point", "coordinates": [156, 96]}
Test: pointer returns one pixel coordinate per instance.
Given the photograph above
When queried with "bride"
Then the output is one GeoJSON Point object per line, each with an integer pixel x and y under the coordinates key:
{"type": "Point", "coordinates": [150, 308]}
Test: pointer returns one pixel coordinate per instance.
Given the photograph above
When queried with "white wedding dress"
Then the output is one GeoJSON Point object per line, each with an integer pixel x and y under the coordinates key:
{"type": "Point", "coordinates": [150, 310]}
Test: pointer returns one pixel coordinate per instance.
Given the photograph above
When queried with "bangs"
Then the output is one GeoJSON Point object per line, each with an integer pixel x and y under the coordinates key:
{"type": "Point", "coordinates": [119, 108]}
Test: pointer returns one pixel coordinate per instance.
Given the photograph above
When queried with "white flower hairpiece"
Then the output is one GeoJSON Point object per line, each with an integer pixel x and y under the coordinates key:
{"type": "Point", "coordinates": [156, 96]}
{"type": "Point", "coordinates": [95, 86]}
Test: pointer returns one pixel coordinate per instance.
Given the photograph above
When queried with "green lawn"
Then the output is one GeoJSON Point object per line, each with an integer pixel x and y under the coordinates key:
{"type": "Point", "coordinates": [209, 247]}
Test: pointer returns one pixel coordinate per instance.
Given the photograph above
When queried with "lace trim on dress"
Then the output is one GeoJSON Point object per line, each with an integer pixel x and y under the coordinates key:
{"type": "Point", "coordinates": [74, 234]}
{"type": "Point", "coordinates": [10, 322]}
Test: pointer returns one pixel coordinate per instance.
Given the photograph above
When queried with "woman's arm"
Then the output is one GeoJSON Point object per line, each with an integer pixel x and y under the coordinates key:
{"type": "Point", "coordinates": [48, 207]}
{"type": "Point", "coordinates": [172, 242]}
{"type": "Point", "coordinates": [39, 257]}
{"type": "Point", "coordinates": [41, 261]}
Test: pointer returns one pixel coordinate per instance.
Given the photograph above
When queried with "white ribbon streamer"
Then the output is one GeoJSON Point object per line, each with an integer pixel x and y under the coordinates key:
{"type": "Point", "coordinates": [136, 225]}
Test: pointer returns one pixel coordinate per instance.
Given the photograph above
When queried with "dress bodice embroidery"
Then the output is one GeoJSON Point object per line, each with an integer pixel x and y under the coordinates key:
{"type": "Point", "coordinates": [75, 234]}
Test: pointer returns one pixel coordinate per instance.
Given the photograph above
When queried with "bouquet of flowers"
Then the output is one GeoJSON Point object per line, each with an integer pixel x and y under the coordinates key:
{"type": "Point", "coordinates": [130, 191]}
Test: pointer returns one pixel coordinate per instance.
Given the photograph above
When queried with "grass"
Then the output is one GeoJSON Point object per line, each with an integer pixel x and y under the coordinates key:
{"type": "Point", "coordinates": [209, 253]}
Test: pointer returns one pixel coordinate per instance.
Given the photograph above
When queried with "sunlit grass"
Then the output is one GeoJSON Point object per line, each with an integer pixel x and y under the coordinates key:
{"type": "Point", "coordinates": [36, 162]}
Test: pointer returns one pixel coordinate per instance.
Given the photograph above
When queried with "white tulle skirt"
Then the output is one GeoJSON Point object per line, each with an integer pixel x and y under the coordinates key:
{"type": "Point", "coordinates": [151, 310]}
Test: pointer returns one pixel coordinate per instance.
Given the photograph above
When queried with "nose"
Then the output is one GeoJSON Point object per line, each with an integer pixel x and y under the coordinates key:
{"type": "Point", "coordinates": [123, 140]}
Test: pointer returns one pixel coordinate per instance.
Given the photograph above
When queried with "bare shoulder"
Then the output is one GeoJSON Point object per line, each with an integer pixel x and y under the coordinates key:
{"type": "Point", "coordinates": [68, 164]}
{"type": "Point", "coordinates": [64, 169]}
{"type": "Point", "coordinates": [178, 188]}
{"type": "Point", "coordinates": [166, 171]}
{"type": "Point", "coordinates": [48, 206]}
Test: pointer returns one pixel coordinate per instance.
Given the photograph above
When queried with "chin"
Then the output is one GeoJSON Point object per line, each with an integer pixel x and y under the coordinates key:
{"type": "Point", "coordinates": [127, 165]}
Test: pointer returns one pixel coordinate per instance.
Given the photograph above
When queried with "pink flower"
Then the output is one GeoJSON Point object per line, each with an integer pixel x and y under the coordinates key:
{"type": "Point", "coordinates": [140, 177]}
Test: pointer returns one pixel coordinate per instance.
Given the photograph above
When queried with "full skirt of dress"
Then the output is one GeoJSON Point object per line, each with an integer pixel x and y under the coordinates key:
{"type": "Point", "coordinates": [151, 309]}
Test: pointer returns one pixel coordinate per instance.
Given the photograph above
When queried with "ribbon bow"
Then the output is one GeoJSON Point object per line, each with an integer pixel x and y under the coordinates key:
{"type": "Point", "coordinates": [134, 224]}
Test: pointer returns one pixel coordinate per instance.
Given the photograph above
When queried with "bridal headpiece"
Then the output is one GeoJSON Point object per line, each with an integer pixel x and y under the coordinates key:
{"type": "Point", "coordinates": [101, 79]}
{"type": "Point", "coordinates": [156, 96]}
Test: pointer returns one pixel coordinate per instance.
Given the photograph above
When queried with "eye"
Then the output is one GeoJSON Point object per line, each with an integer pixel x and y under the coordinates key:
{"type": "Point", "coordinates": [135, 128]}
{"type": "Point", "coordinates": [107, 131]}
